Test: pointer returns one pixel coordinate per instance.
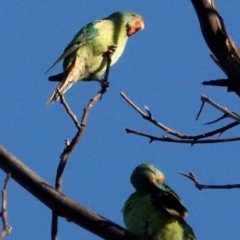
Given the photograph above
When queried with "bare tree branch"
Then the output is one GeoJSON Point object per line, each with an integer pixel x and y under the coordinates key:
{"type": "Point", "coordinates": [6, 228]}
{"type": "Point", "coordinates": [180, 137]}
{"type": "Point", "coordinates": [174, 140]}
{"type": "Point", "coordinates": [225, 53]}
{"type": "Point", "coordinates": [222, 109]}
{"type": "Point", "coordinates": [69, 111]}
{"type": "Point", "coordinates": [150, 118]}
{"type": "Point", "coordinates": [59, 203]}
{"type": "Point", "coordinates": [200, 186]}
{"type": "Point", "coordinates": [80, 131]}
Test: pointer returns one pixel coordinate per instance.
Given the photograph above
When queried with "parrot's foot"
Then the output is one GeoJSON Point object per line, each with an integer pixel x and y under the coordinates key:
{"type": "Point", "coordinates": [104, 83]}
{"type": "Point", "coordinates": [111, 49]}
{"type": "Point", "coordinates": [107, 55]}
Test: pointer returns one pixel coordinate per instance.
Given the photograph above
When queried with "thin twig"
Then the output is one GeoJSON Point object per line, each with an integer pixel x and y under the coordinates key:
{"type": "Point", "coordinates": [71, 145]}
{"type": "Point", "coordinates": [192, 139]}
{"type": "Point", "coordinates": [150, 118]}
{"type": "Point", "coordinates": [173, 140]}
{"type": "Point", "coordinates": [6, 228]}
{"type": "Point", "coordinates": [220, 108]}
{"type": "Point", "coordinates": [200, 110]}
{"type": "Point", "coordinates": [214, 132]}
{"type": "Point", "coordinates": [216, 120]}
{"type": "Point", "coordinates": [200, 186]}
{"type": "Point", "coordinates": [68, 110]}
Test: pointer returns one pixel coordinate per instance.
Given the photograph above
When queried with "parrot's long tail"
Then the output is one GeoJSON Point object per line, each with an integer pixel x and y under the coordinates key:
{"type": "Point", "coordinates": [56, 78]}
{"type": "Point", "coordinates": [60, 90]}
{"type": "Point", "coordinates": [71, 76]}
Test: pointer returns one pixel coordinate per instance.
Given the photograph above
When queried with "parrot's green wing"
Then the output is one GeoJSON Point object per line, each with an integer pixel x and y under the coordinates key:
{"type": "Point", "coordinates": [167, 199]}
{"type": "Point", "coordinates": [154, 211]}
{"type": "Point", "coordinates": [85, 34]}
{"type": "Point", "coordinates": [148, 221]}
{"type": "Point", "coordinates": [83, 58]}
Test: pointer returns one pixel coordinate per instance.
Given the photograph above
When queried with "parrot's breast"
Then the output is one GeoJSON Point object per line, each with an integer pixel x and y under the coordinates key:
{"type": "Point", "coordinates": [90, 54]}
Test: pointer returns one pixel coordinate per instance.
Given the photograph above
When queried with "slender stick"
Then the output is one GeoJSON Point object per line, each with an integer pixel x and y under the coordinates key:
{"type": "Point", "coordinates": [200, 186]}
{"type": "Point", "coordinates": [149, 117]}
{"type": "Point", "coordinates": [183, 138]}
{"type": "Point", "coordinates": [76, 139]}
{"type": "Point", "coordinates": [6, 228]}
{"type": "Point", "coordinates": [174, 140]}
{"type": "Point", "coordinates": [69, 111]}
{"type": "Point", "coordinates": [220, 108]}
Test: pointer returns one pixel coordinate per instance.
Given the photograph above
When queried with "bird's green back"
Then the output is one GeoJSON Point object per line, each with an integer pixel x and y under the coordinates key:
{"type": "Point", "coordinates": [103, 33]}
{"type": "Point", "coordinates": [86, 57]}
{"type": "Point", "coordinates": [147, 220]}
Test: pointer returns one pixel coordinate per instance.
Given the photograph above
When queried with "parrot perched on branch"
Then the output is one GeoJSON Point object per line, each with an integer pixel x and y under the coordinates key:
{"type": "Point", "coordinates": [154, 211]}
{"type": "Point", "coordinates": [84, 56]}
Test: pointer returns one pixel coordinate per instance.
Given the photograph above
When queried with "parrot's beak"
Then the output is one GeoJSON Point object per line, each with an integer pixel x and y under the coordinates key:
{"type": "Point", "coordinates": [141, 24]}
{"type": "Point", "coordinates": [138, 25]}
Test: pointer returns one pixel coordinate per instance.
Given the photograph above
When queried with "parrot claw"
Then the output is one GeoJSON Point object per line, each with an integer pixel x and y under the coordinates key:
{"type": "Point", "coordinates": [104, 83]}
{"type": "Point", "coordinates": [111, 49]}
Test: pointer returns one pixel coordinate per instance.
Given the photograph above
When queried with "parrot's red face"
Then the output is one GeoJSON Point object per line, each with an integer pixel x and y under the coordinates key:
{"type": "Point", "coordinates": [158, 179]}
{"type": "Point", "coordinates": [137, 25]}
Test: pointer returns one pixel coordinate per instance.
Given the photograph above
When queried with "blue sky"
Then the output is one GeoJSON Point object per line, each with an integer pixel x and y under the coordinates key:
{"type": "Point", "coordinates": [162, 67]}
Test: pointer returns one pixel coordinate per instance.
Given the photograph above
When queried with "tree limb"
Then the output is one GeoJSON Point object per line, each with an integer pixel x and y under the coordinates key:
{"type": "Point", "coordinates": [59, 203]}
{"type": "Point", "coordinates": [149, 117]}
{"type": "Point", "coordinates": [225, 53]}
{"type": "Point", "coordinates": [183, 138]}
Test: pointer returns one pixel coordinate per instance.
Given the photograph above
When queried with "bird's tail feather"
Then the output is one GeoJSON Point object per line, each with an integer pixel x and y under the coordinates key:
{"type": "Point", "coordinates": [61, 89]}
{"type": "Point", "coordinates": [71, 76]}
{"type": "Point", "coordinates": [56, 78]}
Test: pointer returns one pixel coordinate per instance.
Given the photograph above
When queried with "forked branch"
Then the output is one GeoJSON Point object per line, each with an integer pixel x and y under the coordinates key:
{"type": "Point", "coordinates": [183, 138]}
{"type": "Point", "coordinates": [70, 145]}
{"type": "Point", "coordinates": [201, 186]}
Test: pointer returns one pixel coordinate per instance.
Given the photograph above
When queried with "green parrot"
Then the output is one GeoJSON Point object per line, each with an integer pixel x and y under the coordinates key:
{"type": "Point", "coordinates": [154, 211]}
{"type": "Point", "coordinates": [85, 58]}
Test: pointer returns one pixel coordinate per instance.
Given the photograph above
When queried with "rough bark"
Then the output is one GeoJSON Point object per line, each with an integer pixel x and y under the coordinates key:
{"type": "Point", "coordinates": [225, 53]}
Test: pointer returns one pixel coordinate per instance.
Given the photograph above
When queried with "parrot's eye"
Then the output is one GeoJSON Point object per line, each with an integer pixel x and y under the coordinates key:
{"type": "Point", "coordinates": [133, 15]}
